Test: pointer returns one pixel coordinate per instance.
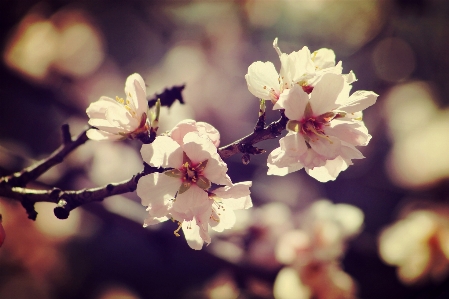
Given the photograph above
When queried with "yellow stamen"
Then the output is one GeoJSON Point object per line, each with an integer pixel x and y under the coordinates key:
{"type": "Point", "coordinates": [178, 229]}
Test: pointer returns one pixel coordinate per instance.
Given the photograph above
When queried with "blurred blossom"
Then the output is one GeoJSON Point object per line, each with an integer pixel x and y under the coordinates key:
{"type": "Point", "coordinates": [419, 130]}
{"type": "Point", "coordinates": [222, 286]}
{"type": "Point", "coordinates": [347, 24]}
{"type": "Point", "coordinates": [313, 252]}
{"type": "Point", "coordinates": [393, 59]}
{"type": "Point", "coordinates": [67, 42]}
{"type": "Point", "coordinates": [418, 245]}
{"type": "Point", "coordinates": [116, 292]}
{"type": "Point", "coordinates": [262, 13]}
{"type": "Point", "coordinates": [56, 228]}
{"type": "Point", "coordinates": [113, 162]}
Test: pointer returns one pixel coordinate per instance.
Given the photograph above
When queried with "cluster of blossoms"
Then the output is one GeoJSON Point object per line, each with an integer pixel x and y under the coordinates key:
{"type": "Point", "coordinates": [325, 122]}
{"type": "Point", "coordinates": [418, 245]}
{"type": "Point", "coordinates": [184, 192]}
{"type": "Point", "coordinates": [313, 253]}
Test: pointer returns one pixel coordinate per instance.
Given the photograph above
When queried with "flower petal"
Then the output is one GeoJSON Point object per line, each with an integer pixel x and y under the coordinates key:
{"type": "Point", "coordinates": [190, 201]}
{"type": "Point", "coordinates": [328, 147]}
{"type": "Point", "coordinates": [192, 234]}
{"type": "Point", "coordinates": [352, 132]}
{"type": "Point", "coordinates": [329, 171]}
{"type": "Point", "coordinates": [98, 135]}
{"type": "Point", "coordinates": [237, 196]}
{"type": "Point", "coordinates": [163, 152]}
{"type": "Point", "coordinates": [359, 101]}
{"type": "Point", "coordinates": [261, 78]}
{"type": "Point", "coordinates": [325, 93]}
{"type": "Point", "coordinates": [323, 58]}
{"type": "Point", "coordinates": [135, 91]}
{"type": "Point", "coordinates": [157, 191]}
{"type": "Point", "coordinates": [294, 102]}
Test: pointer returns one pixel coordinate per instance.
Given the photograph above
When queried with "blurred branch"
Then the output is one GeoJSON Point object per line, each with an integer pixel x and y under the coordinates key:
{"type": "Point", "coordinates": [21, 178]}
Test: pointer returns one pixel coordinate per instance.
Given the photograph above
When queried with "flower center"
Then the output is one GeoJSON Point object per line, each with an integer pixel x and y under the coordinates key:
{"type": "Point", "coordinates": [189, 173]}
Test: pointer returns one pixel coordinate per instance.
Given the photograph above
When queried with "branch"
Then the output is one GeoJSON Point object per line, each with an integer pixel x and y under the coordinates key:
{"type": "Point", "coordinates": [21, 178]}
{"type": "Point", "coordinates": [245, 144]}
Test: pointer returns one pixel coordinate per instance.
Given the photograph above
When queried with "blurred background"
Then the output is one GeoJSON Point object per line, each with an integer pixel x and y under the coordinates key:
{"type": "Point", "coordinates": [58, 56]}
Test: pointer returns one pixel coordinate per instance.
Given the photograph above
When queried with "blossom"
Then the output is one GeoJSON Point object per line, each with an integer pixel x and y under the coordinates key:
{"type": "Point", "coordinates": [297, 68]}
{"type": "Point", "coordinates": [184, 191]}
{"type": "Point", "coordinates": [312, 253]}
{"type": "Point", "coordinates": [324, 129]}
{"type": "Point", "coordinates": [418, 245]}
{"type": "Point", "coordinates": [120, 118]}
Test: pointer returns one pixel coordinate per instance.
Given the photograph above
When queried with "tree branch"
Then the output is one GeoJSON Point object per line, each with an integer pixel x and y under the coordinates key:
{"type": "Point", "coordinates": [245, 144]}
{"type": "Point", "coordinates": [21, 178]}
{"type": "Point", "coordinates": [14, 186]}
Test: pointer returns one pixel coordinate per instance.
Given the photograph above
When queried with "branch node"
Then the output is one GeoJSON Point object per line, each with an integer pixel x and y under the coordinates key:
{"type": "Point", "coordinates": [29, 208]}
{"type": "Point", "coordinates": [246, 158]}
{"type": "Point", "coordinates": [62, 211]}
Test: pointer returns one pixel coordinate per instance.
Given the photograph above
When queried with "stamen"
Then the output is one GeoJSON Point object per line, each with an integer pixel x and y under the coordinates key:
{"type": "Point", "coordinates": [178, 229]}
{"type": "Point", "coordinates": [312, 129]}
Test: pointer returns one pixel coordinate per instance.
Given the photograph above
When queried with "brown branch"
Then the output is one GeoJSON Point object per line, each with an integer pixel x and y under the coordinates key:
{"type": "Point", "coordinates": [21, 178]}
{"type": "Point", "coordinates": [14, 186]}
{"type": "Point", "coordinates": [245, 144]}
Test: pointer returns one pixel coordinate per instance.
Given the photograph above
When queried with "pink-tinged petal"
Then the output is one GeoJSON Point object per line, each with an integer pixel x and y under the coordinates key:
{"type": "Point", "coordinates": [294, 102]}
{"type": "Point", "coordinates": [348, 152]}
{"type": "Point", "coordinates": [157, 191]}
{"type": "Point", "coordinates": [98, 109]}
{"type": "Point", "coordinates": [296, 66]}
{"type": "Point", "coordinates": [105, 125]}
{"type": "Point", "coordinates": [135, 91]}
{"type": "Point", "coordinates": [189, 201]}
{"type": "Point", "coordinates": [181, 129]}
{"type": "Point", "coordinates": [359, 101]}
{"type": "Point", "coordinates": [192, 234]}
{"type": "Point", "coordinates": [205, 129]}
{"type": "Point", "coordinates": [328, 147]}
{"type": "Point", "coordinates": [163, 152]}
{"type": "Point", "coordinates": [324, 58]}
{"type": "Point", "coordinates": [120, 117]}
{"type": "Point", "coordinates": [324, 95]}
{"type": "Point", "coordinates": [237, 196]}
{"type": "Point", "coordinates": [293, 144]}
{"type": "Point", "coordinates": [154, 220]}
{"type": "Point", "coordinates": [311, 159]}
{"type": "Point", "coordinates": [280, 164]}
{"type": "Point", "coordinates": [98, 135]}
{"type": "Point", "coordinates": [200, 149]}
{"type": "Point", "coordinates": [352, 132]}
{"type": "Point", "coordinates": [261, 78]}
{"type": "Point", "coordinates": [329, 171]}
{"type": "Point", "coordinates": [202, 216]}
{"type": "Point", "coordinates": [226, 219]}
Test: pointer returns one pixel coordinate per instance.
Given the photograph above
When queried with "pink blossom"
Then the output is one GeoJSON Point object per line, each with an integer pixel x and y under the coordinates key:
{"type": "Point", "coordinates": [323, 131]}
{"type": "Point", "coordinates": [120, 118]}
{"type": "Point", "coordinates": [297, 68]}
{"type": "Point", "coordinates": [183, 192]}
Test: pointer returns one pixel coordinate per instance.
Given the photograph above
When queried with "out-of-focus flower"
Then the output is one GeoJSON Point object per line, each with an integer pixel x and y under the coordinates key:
{"type": "Point", "coordinates": [418, 245]}
{"type": "Point", "coordinates": [297, 68]}
{"type": "Point", "coordinates": [120, 118]}
{"type": "Point", "coordinates": [313, 252]}
{"type": "Point", "coordinates": [324, 128]}
{"type": "Point", "coordinates": [183, 192]}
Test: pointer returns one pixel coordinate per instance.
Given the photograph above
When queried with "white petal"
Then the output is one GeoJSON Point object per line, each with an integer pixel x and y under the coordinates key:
{"type": "Point", "coordinates": [324, 58]}
{"type": "Point", "coordinates": [325, 93]}
{"type": "Point", "coordinates": [157, 191]}
{"type": "Point", "coordinates": [354, 133]}
{"type": "Point", "coordinates": [279, 164]}
{"type": "Point", "coordinates": [163, 152]}
{"type": "Point", "coordinates": [135, 91]}
{"type": "Point", "coordinates": [294, 102]}
{"type": "Point", "coordinates": [98, 109]}
{"type": "Point", "coordinates": [226, 218]}
{"type": "Point", "coordinates": [329, 171]}
{"type": "Point", "coordinates": [98, 135]}
{"type": "Point", "coordinates": [199, 149]}
{"type": "Point", "coordinates": [261, 78]}
{"type": "Point", "coordinates": [154, 220]}
{"type": "Point", "coordinates": [293, 144]}
{"type": "Point", "coordinates": [329, 149]}
{"type": "Point", "coordinates": [191, 200]}
{"type": "Point", "coordinates": [237, 196]}
{"type": "Point", "coordinates": [359, 101]}
{"type": "Point", "coordinates": [296, 66]}
{"type": "Point", "coordinates": [192, 234]}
